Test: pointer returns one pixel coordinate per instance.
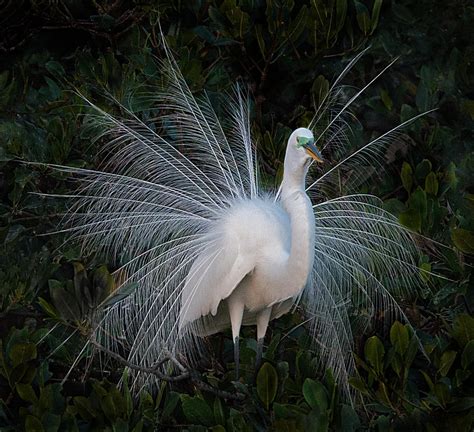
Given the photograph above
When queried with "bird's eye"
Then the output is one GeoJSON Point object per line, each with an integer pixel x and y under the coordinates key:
{"type": "Point", "coordinates": [302, 141]}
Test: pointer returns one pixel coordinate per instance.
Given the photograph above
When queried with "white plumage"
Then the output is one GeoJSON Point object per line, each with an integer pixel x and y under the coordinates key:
{"type": "Point", "coordinates": [203, 248]}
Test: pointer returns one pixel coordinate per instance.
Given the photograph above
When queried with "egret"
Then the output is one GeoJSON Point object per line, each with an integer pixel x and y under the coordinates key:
{"type": "Point", "coordinates": [202, 246]}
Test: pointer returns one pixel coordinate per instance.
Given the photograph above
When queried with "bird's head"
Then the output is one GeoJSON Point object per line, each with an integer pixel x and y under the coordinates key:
{"type": "Point", "coordinates": [301, 145]}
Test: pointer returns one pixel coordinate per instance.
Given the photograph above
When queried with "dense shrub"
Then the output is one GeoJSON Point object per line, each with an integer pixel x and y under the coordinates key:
{"type": "Point", "coordinates": [287, 52]}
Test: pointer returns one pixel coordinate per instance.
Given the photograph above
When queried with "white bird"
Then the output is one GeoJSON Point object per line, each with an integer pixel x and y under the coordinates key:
{"type": "Point", "coordinates": [260, 258]}
{"type": "Point", "coordinates": [204, 248]}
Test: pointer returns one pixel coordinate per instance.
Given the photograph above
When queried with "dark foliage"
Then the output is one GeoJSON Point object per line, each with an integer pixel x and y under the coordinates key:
{"type": "Point", "coordinates": [287, 52]}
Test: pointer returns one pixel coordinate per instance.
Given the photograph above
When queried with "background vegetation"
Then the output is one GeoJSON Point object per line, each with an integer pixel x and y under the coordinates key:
{"type": "Point", "coordinates": [287, 52]}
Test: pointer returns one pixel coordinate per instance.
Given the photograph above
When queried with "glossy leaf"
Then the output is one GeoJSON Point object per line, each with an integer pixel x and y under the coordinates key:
{"type": "Point", "coordinates": [374, 353]}
{"type": "Point", "coordinates": [267, 384]}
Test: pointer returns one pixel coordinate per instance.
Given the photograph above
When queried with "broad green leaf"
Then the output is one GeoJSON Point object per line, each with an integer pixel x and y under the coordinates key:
{"type": "Point", "coordinates": [362, 16]}
{"type": "Point", "coordinates": [447, 360]}
{"type": "Point", "coordinates": [463, 329]}
{"type": "Point", "coordinates": [431, 184]}
{"type": "Point", "coordinates": [350, 421]}
{"type": "Point", "coordinates": [463, 239]}
{"type": "Point", "coordinates": [196, 410]}
{"type": "Point", "coordinates": [48, 308]}
{"type": "Point", "coordinates": [84, 408]}
{"type": "Point", "coordinates": [219, 415]}
{"type": "Point", "coordinates": [399, 337]}
{"type": "Point", "coordinates": [374, 20]}
{"type": "Point", "coordinates": [103, 284]}
{"type": "Point", "coordinates": [442, 393]}
{"type": "Point", "coordinates": [33, 424]}
{"type": "Point", "coordinates": [387, 101]}
{"type": "Point", "coordinates": [64, 301]}
{"type": "Point", "coordinates": [407, 176]}
{"type": "Point", "coordinates": [315, 394]}
{"type": "Point", "coordinates": [423, 169]}
{"type": "Point", "coordinates": [172, 399]}
{"type": "Point", "coordinates": [26, 392]}
{"type": "Point", "coordinates": [467, 355]}
{"type": "Point", "coordinates": [359, 384]}
{"type": "Point", "coordinates": [418, 202]}
{"type": "Point", "coordinates": [22, 353]}
{"type": "Point", "coordinates": [374, 353]}
{"type": "Point", "coordinates": [411, 218]}
{"type": "Point", "coordinates": [462, 404]}
{"type": "Point", "coordinates": [267, 384]}
{"type": "Point", "coordinates": [341, 12]}
{"type": "Point", "coordinates": [51, 421]}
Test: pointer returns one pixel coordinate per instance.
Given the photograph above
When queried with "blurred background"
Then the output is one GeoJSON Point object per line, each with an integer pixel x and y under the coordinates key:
{"type": "Point", "coordinates": [287, 52]}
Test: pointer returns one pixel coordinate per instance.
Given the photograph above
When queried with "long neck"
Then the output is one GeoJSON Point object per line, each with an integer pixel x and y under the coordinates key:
{"type": "Point", "coordinates": [298, 205]}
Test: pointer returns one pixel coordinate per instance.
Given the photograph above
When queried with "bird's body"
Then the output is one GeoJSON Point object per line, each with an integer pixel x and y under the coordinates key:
{"type": "Point", "coordinates": [259, 260]}
{"type": "Point", "coordinates": [205, 247]}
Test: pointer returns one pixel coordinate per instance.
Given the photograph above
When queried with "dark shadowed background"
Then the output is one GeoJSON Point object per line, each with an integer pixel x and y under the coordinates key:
{"type": "Point", "coordinates": [287, 53]}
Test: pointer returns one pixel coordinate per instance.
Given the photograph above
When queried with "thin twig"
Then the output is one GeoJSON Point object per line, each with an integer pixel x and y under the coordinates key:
{"type": "Point", "coordinates": [184, 375]}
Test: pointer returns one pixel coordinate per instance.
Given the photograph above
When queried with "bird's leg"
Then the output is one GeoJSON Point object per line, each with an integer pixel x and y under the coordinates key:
{"type": "Point", "coordinates": [236, 312]}
{"type": "Point", "coordinates": [262, 323]}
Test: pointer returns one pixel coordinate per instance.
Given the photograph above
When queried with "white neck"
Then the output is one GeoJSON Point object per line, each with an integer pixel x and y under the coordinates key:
{"type": "Point", "coordinates": [298, 205]}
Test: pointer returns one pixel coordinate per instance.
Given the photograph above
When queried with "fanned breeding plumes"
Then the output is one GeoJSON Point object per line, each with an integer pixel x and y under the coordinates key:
{"type": "Point", "coordinates": [203, 248]}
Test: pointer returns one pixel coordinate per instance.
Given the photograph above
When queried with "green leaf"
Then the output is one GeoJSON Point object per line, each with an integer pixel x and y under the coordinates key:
{"type": "Point", "coordinates": [447, 360]}
{"type": "Point", "coordinates": [127, 395]}
{"type": "Point", "coordinates": [267, 384]}
{"type": "Point", "coordinates": [423, 169]}
{"type": "Point", "coordinates": [64, 301]}
{"type": "Point", "coordinates": [442, 393]}
{"type": "Point", "coordinates": [399, 337]}
{"type": "Point", "coordinates": [374, 353]}
{"type": "Point", "coordinates": [362, 16]}
{"type": "Point", "coordinates": [260, 40]}
{"type": "Point", "coordinates": [51, 421]}
{"type": "Point", "coordinates": [407, 176]}
{"type": "Point", "coordinates": [103, 284]}
{"type": "Point", "coordinates": [431, 184]}
{"type": "Point", "coordinates": [33, 424]}
{"type": "Point", "coordinates": [467, 355]}
{"type": "Point", "coordinates": [55, 68]}
{"type": "Point", "coordinates": [418, 202]}
{"type": "Point", "coordinates": [219, 415]}
{"type": "Point", "coordinates": [374, 20]}
{"type": "Point", "coordinates": [349, 419]}
{"type": "Point", "coordinates": [22, 353]}
{"type": "Point", "coordinates": [196, 410]}
{"type": "Point", "coordinates": [462, 404]}
{"type": "Point", "coordinates": [359, 384]}
{"type": "Point", "coordinates": [463, 240]}
{"type": "Point", "coordinates": [411, 218]}
{"type": "Point", "coordinates": [315, 394]}
{"type": "Point", "coordinates": [84, 408]}
{"type": "Point", "coordinates": [26, 392]}
{"type": "Point", "coordinates": [463, 329]}
{"type": "Point", "coordinates": [387, 101]}
{"type": "Point", "coordinates": [120, 293]}
{"type": "Point", "coordinates": [171, 401]}
{"type": "Point", "coordinates": [48, 308]}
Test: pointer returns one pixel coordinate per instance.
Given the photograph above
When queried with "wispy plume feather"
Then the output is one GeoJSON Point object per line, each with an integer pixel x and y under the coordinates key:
{"type": "Point", "coordinates": [155, 205]}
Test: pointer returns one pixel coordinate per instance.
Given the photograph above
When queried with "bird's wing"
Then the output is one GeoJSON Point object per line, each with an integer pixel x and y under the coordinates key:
{"type": "Point", "coordinates": [212, 278]}
{"type": "Point", "coordinates": [170, 173]}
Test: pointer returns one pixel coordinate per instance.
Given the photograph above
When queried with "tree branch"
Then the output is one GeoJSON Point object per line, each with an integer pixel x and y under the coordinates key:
{"type": "Point", "coordinates": [184, 372]}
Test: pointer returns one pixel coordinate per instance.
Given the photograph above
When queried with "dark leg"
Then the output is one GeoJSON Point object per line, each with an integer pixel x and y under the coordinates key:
{"type": "Point", "coordinates": [236, 357]}
{"type": "Point", "coordinates": [258, 359]}
{"type": "Point", "coordinates": [262, 323]}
